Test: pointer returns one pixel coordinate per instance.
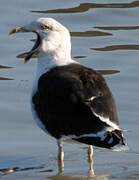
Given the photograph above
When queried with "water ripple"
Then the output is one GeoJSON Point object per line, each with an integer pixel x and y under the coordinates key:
{"type": "Point", "coordinates": [83, 7]}
{"type": "Point", "coordinates": [107, 72]}
{"type": "Point", "coordinates": [90, 34]}
{"type": "Point", "coordinates": [4, 67]}
{"type": "Point", "coordinates": [4, 78]}
{"type": "Point", "coordinates": [117, 47]}
{"type": "Point", "coordinates": [113, 28]}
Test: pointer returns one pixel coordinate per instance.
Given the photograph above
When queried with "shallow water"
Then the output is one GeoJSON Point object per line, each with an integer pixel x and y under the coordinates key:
{"type": "Point", "coordinates": [104, 37]}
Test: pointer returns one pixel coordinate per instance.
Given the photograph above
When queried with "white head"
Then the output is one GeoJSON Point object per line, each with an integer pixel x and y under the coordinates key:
{"type": "Point", "coordinates": [53, 39]}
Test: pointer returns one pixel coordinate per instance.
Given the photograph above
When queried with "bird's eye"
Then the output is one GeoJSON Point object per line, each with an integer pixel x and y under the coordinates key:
{"type": "Point", "coordinates": [45, 27]}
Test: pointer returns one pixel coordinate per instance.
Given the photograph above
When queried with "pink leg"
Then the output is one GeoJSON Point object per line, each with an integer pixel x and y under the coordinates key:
{"type": "Point", "coordinates": [90, 160]}
{"type": "Point", "coordinates": [60, 157]}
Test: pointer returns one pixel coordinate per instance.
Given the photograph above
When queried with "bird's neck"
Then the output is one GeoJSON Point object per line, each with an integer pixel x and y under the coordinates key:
{"type": "Point", "coordinates": [50, 60]}
{"type": "Point", "coordinates": [55, 50]}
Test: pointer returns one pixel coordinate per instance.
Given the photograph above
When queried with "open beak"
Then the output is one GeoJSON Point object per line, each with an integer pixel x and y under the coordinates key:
{"type": "Point", "coordinates": [17, 30]}
{"type": "Point", "coordinates": [34, 51]}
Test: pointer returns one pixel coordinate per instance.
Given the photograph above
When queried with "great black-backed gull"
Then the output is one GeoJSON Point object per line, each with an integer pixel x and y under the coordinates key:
{"type": "Point", "coordinates": [70, 101]}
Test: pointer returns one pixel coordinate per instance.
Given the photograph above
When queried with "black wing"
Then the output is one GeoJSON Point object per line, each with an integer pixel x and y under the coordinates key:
{"type": "Point", "coordinates": [74, 101]}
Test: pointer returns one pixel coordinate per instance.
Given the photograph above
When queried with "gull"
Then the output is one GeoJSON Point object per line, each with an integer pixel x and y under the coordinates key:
{"type": "Point", "coordinates": [70, 101]}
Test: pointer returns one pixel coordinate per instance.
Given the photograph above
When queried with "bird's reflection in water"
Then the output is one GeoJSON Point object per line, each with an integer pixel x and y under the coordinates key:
{"type": "Point", "coordinates": [67, 177]}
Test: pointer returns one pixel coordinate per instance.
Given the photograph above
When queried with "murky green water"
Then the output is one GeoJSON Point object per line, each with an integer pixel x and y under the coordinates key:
{"type": "Point", "coordinates": [105, 36]}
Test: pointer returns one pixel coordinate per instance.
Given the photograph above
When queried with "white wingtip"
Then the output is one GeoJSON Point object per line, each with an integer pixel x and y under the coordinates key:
{"type": "Point", "coordinates": [120, 148]}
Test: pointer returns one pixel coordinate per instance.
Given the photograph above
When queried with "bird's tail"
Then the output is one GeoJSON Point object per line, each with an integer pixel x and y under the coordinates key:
{"type": "Point", "coordinates": [113, 140]}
